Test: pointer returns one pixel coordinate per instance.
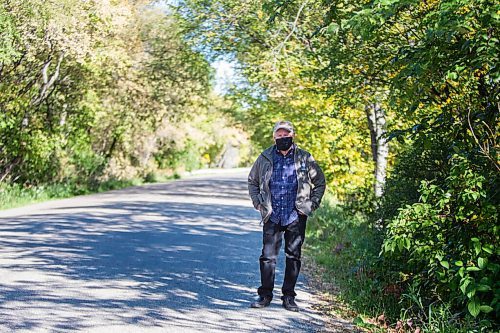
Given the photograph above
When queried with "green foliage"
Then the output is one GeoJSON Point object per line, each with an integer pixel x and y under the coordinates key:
{"type": "Point", "coordinates": [433, 67]}
{"type": "Point", "coordinates": [435, 317]}
{"type": "Point", "coordinates": [8, 34]}
{"type": "Point", "coordinates": [91, 91]}
{"type": "Point", "coordinates": [15, 195]}
{"type": "Point", "coordinates": [278, 86]}
{"type": "Point", "coordinates": [347, 247]}
{"type": "Point", "coordinates": [416, 163]}
{"type": "Point", "coordinates": [450, 240]}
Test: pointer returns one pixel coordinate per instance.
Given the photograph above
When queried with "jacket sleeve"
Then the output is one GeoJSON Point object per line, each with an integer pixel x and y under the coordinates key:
{"type": "Point", "coordinates": [319, 182]}
{"type": "Point", "coordinates": [254, 179]}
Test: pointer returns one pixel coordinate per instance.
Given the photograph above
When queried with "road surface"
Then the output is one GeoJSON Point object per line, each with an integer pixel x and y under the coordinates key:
{"type": "Point", "coordinates": [174, 257]}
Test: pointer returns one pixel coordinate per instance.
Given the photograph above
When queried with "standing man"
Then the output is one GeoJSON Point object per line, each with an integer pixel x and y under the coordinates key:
{"type": "Point", "coordinates": [286, 185]}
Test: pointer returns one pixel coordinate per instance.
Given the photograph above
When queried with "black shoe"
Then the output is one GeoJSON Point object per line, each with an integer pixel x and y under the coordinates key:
{"type": "Point", "coordinates": [289, 303]}
{"type": "Point", "coordinates": [262, 302]}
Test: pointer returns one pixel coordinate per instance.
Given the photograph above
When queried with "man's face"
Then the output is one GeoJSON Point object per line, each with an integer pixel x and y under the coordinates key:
{"type": "Point", "coordinates": [281, 133]}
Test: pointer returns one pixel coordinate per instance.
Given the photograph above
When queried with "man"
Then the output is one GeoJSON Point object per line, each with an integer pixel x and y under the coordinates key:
{"type": "Point", "coordinates": [286, 185]}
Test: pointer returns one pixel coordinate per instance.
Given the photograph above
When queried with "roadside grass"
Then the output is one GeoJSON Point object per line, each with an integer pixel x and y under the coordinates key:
{"type": "Point", "coordinates": [346, 247]}
{"type": "Point", "coordinates": [16, 195]}
{"type": "Point", "coordinates": [360, 286]}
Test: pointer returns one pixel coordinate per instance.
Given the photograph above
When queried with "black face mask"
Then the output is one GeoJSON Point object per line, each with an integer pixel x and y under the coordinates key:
{"type": "Point", "coordinates": [284, 143]}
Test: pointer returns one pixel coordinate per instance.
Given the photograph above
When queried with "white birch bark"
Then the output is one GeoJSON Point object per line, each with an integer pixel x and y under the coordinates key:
{"type": "Point", "coordinates": [379, 144]}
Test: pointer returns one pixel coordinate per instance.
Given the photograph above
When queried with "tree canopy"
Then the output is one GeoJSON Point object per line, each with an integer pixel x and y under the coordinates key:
{"type": "Point", "coordinates": [398, 100]}
{"type": "Point", "coordinates": [95, 90]}
{"type": "Point", "coordinates": [357, 77]}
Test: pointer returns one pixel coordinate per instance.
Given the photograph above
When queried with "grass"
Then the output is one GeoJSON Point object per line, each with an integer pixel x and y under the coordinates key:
{"type": "Point", "coordinates": [16, 195]}
{"type": "Point", "coordinates": [345, 247]}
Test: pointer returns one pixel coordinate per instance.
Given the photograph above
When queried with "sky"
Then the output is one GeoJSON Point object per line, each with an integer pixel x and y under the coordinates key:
{"type": "Point", "coordinates": [225, 75]}
{"type": "Point", "coordinates": [225, 72]}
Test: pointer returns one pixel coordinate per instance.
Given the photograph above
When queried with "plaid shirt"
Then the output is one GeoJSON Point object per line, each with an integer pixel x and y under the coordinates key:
{"type": "Point", "coordinates": [283, 186]}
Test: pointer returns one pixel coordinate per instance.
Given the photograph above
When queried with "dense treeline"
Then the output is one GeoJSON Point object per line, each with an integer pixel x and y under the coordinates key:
{"type": "Point", "coordinates": [407, 86]}
{"type": "Point", "coordinates": [397, 99]}
{"type": "Point", "coordinates": [98, 90]}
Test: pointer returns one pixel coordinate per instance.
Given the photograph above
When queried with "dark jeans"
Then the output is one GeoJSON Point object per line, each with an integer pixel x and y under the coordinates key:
{"type": "Point", "coordinates": [272, 239]}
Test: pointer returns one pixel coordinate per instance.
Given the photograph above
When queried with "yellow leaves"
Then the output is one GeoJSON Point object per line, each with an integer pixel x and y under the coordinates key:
{"type": "Point", "coordinates": [260, 14]}
{"type": "Point", "coordinates": [428, 5]}
{"type": "Point", "coordinates": [464, 10]}
{"type": "Point", "coordinates": [356, 69]}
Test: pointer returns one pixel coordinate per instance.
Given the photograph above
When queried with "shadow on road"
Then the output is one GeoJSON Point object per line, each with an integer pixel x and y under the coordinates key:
{"type": "Point", "coordinates": [130, 261]}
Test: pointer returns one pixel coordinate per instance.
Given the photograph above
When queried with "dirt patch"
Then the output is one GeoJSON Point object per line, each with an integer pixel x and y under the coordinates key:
{"type": "Point", "coordinates": [338, 316]}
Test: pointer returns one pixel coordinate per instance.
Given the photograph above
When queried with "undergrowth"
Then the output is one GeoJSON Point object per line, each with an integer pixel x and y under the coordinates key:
{"type": "Point", "coordinates": [16, 195]}
{"type": "Point", "coordinates": [346, 250]}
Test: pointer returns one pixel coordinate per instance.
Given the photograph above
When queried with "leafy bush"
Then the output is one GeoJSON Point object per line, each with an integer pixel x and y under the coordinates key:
{"type": "Point", "coordinates": [448, 242]}
{"type": "Point", "coordinates": [416, 162]}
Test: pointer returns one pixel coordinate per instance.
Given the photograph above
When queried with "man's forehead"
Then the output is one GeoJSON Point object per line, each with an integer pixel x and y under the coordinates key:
{"type": "Point", "coordinates": [282, 131]}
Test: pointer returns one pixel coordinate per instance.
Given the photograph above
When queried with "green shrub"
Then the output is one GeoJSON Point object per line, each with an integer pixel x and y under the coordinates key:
{"type": "Point", "coordinates": [447, 243]}
{"type": "Point", "coordinates": [415, 163]}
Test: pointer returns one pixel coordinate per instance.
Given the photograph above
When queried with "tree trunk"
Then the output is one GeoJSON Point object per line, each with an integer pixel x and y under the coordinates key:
{"type": "Point", "coordinates": [379, 144]}
{"type": "Point", "coordinates": [8, 168]}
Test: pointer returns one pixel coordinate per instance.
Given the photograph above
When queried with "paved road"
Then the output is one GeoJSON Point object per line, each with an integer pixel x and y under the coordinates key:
{"type": "Point", "coordinates": [174, 257]}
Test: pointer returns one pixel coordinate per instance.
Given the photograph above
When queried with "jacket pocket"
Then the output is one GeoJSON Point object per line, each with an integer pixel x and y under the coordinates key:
{"type": "Point", "coordinates": [305, 207]}
{"type": "Point", "coordinates": [264, 209]}
{"type": "Point", "coordinates": [264, 212]}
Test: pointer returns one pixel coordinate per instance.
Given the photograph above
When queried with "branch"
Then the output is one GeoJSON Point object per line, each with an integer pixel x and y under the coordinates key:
{"type": "Point", "coordinates": [47, 83]}
{"type": "Point", "coordinates": [485, 149]}
{"type": "Point", "coordinates": [294, 27]}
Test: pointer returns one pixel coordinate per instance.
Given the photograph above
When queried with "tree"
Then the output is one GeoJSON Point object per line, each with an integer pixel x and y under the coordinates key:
{"type": "Point", "coordinates": [279, 85]}
{"type": "Point", "coordinates": [89, 91]}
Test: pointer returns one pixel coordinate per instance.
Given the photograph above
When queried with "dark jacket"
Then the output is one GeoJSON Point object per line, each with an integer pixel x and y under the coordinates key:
{"type": "Point", "coordinates": [310, 179]}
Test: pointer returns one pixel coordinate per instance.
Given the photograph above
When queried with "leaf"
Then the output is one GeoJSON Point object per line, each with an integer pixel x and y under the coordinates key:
{"type": "Point", "coordinates": [459, 263]}
{"type": "Point", "coordinates": [452, 76]}
{"type": "Point", "coordinates": [483, 287]}
{"type": "Point", "coordinates": [471, 291]}
{"type": "Point", "coordinates": [464, 285]}
{"type": "Point", "coordinates": [401, 244]}
{"type": "Point", "coordinates": [445, 264]}
{"type": "Point", "coordinates": [333, 28]}
{"type": "Point", "coordinates": [473, 269]}
{"type": "Point", "coordinates": [474, 307]}
{"type": "Point", "coordinates": [461, 272]}
{"type": "Point", "coordinates": [485, 308]}
{"type": "Point", "coordinates": [407, 243]}
{"type": "Point", "coordinates": [482, 262]}
{"type": "Point", "coordinates": [477, 247]}
{"type": "Point", "coordinates": [488, 248]}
